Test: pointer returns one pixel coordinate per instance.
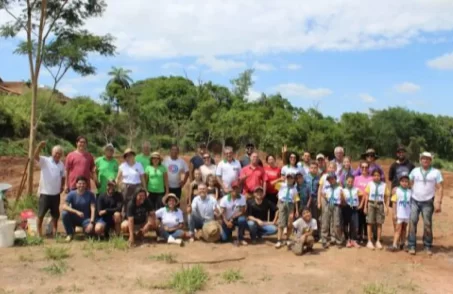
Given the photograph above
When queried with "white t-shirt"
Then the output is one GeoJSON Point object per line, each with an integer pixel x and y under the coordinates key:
{"type": "Point", "coordinates": [351, 196]}
{"type": "Point", "coordinates": [51, 175]}
{"type": "Point", "coordinates": [231, 206]}
{"type": "Point", "coordinates": [335, 193]}
{"type": "Point", "coordinates": [291, 170]}
{"type": "Point", "coordinates": [207, 170]}
{"type": "Point", "coordinates": [228, 171]}
{"type": "Point", "coordinates": [403, 203]}
{"type": "Point", "coordinates": [287, 194]}
{"type": "Point", "coordinates": [131, 174]}
{"type": "Point", "coordinates": [175, 168]}
{"type": "Point", "coordinates": [170, 218]}
{"type": "Point", "coordinates": [424, 186]}
{"type": "Point", "coordinates": [301, 226]}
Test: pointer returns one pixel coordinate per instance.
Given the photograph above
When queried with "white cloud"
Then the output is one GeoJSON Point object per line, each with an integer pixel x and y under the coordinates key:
{"type": "Point", "coordinates": [263, 66]}
{"type": "Point", "coordinates": [407, 87]}
{"type": "Point", "coordinates": [220, 65]}
{"type": "Point", "coordinates": [294, 90]}
{"type": "Point", "coordinates": [444, 62]}
{"type": "Point", "coordinates": [253, 95]}
{"type": "Point", "coordinates": [367, 98]}
{"type": "Point", "coordinates": [293, 66]}
{"type": "Point", "coordinates": [169, 65]}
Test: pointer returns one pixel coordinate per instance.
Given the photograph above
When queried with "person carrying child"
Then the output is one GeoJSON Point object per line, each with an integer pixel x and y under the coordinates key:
{"type": "Point", "coordinates": [286, 203]}
{"type": "Point", "coordinates": [350, 212]}
{"type": "Point", "coordinates": [304, 226]}
{"type": "Point", "coordinates": [332, 199]}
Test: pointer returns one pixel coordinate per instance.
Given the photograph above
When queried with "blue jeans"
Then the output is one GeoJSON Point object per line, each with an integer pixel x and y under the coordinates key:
{"type": "Point", "coordinates": [227, 233]}
{"type": "Point", "coordinates": [426, 208]}
{"type": "Point", "coordinates": [257, 232]}
{"type": "Point", "coordinates": [71, 220]}
{"type": "Point", "coordinates": [175, 234]}
{"type": "Point", "coordinates": [195, 223]}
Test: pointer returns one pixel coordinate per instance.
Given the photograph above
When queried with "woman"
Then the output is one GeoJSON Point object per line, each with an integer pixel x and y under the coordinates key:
{"type": "Point", "coordinates": [370, 156]}
{"type": "Point", "coordinates": [157, 178]}
{"type": "Point", "coordinates": [291, 167]}
{"type": "Point", "coordinates": [361, 182]}
{"type": "Point", "coordinates": [170, 220]}
{"type": "Point", "coordinates": [130, 175]}
{"type": "Point", "coordinates": [79, 209]}
{"type": "Point", "coordinates": [109, 207]}
{"type": "Point", "coordinates": [138, 217]}
{"type": "Point", "coordinates": [345, 171]}
{"type": "Point", "coordinates": [208, 168]}
{"type": "Point", "coordinates": [273, 173]}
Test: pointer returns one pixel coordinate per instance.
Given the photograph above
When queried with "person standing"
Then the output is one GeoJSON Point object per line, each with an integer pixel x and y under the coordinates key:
{"type": "Point", "coordinates": [402, 165]}
{"type": "Point", "coordinates": [79, 163]}
{"type": "Point", "coordinates": [228, 170]}
{"type": "Point", "coordinates": [361, 182]}
{"type": "Point", "coordinates": [322, 165]}
{"type": "Point", "coordinates": [198, 159]}
{"type": "Point", "coordinates": [51, 185]}
{"type": "Point", "coordinates": [427, 194]}
{"type": "Point", "coordinates": [106, 169]}
{"type": "Point", "coordinates": [156, 177]}
{"type": "Point", "coordinates": [245, 160]}
{"type": "Point", "coordinates": [305, 164]}
{"type": "Point", "coordinates": [273, 175]}
{"type": "Point", "coordinates": [143, 158]}
{"type": "Point", "coordinates": [339, 157]}
{"type": "Point", "coordinates": [176, 167]}
{"type": "Point", "coordinates": [292, 158]}
{"type": "Point", "coordinates": [130, 175]}
{"type": "Point", "coordinates": [208, 168]}
{"type": "Point", "coordinates": [370, 156]}
{"type": "Point", "coordinates": [252, 176]}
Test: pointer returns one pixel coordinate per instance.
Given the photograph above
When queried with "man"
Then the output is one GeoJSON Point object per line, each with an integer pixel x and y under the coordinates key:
{"type": "Point", "coordinates": [370, 156]}
{"type": "Point", "coordinates": [106, 169]}
{"type": "Point", "coordinates": [79, 163]}
{"type": "Point", "coordinates": [252, 176]}
{"type": "Point", "coordinates": [249, 149]}
{"type": "Point", "coordinates": [427, 194]}
{"type": "Point", "coordinates": [321, 159]}
{"type": "Point", "coordinates": [402, 165]}
{"type": "Point", "coordinates": [198, 159]}
{"type": "Point", "coordinates": [175, 168]}
{"type": "Point", "coordinates": [257, 209]}
{"type": "Point", "coordinates": [305, 164]}
{"type": "Point", "coordinates": [51, 184]}
{"type": "Point", "coordinates": [228, 170]}
{"type": "Point", "coordinates": [203, 209]}
{"type": "Point", "coordinates": [144, 157]}
{"type": "Point", "coordinates": [339, 156]}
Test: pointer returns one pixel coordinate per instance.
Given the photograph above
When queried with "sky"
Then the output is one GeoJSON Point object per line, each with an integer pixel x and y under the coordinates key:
{"type": "Point", "coordinates": [336, 55]}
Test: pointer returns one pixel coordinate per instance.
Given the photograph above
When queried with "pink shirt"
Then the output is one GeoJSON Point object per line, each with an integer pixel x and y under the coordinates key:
{"type": "Point", "coordinates": [256, 176]}
{"type": "Point", "coordinates": [79, 164]}
{"type": "Point", "coordinates": [360, 182]}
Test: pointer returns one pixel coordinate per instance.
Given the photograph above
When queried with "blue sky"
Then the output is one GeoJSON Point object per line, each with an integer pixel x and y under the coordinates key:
{"type": "Point", "coordinates": [345, 55]}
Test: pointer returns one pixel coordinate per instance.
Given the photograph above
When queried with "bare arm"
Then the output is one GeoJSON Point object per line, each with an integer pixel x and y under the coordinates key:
{"type": "Point", "coordinates": [189, 199]}
{"type": "Point", "coordinates": [119, 176]}
{"type": "Point", "coordinates": [38, 150]}
{"type": "Point", "coordinates": [142, 180]}
{"type": "Point", "coordinates": [130, 222]}
{"type": "Point", "coordinates": [93, 212]}
{"type": "Point", "coordinates": [191, 169]}
{"type": "Point", "coordinates": [166, 183]}
{"type": "Point", "coordinates": [69, 209]}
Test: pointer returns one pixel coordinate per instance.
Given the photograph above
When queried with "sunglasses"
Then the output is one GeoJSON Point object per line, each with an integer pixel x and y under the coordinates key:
{"type": "Point", "coordinates": [364, 167]}
{"type": "Point", "coordinates": [371, 155]}
{"type": "Point", "coordinates": [206, 157]}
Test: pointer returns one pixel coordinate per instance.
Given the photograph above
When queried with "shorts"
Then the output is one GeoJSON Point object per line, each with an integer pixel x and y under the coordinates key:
{"type": "Point", "coordinates": [176, 191]}
{"type": "Point", "coordinates": [285, 209]}
{"type": "Point", "coordinates": [402, 221]}
{"type": "Point", "coordinates": [376, 213]}
{"type": "Point", "coordinates": [49, 202]}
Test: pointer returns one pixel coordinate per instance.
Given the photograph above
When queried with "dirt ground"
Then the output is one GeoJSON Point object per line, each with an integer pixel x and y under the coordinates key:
{"type": "Point", "coordinates": [264, 269]}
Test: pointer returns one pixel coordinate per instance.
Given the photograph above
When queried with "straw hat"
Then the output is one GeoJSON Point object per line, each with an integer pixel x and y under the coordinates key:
{"type": "Point", "coordinates": [155, 155]}
{"type": "Point", "coordinates": [369, 151]}
{"type": "Point", "coordinates": [211, 232]}
{"type": "Point", "coordinates": [167, 197]}
{"type": "Point", "coordinates": [128, 151]}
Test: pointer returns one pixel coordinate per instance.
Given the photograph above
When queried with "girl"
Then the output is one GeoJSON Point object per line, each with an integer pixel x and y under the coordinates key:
{"type": "Point", "coordinates": [401, 211]}
{"type": "Point", "coordinates": [291, 167]}
{"type": "Point", "coordinates": [331, 211]}
{"type": "Point", "coordinates": [376, 203]}
{"type": "Point", "coordinates": [286, 200]}
{"type": "Point", "coordinates": [171, 220]}
{"type": "Point", "coordinates": [360, 182]}
{"type": "Point", "coordinates": [193, 189]}
{"type": "Point", "coordinates": [345, 171]}
{"type": "Point", "coordinates": [211, 183]}
{"type": "Point", "coordinates": [351, 212]}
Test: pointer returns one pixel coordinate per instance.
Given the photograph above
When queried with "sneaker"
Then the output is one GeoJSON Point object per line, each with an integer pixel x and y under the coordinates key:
{"type": "Point", "coordinates": [392, 248]}
{"type": "Point", "coordinates": [69, 238]}
{"type": "Point", "coordinates": [288, 243]}
{"type": "Point", "coordinates": [244, 243]}
{"type": "Point", "coordinates": [355, 244]}
{"type": "Point", "coordinates": [370, 245]}
{"type": "Point", "coordinates": [278, 244]}
{"type": "Point", "coordinates": [378, 245]}
{"type": "Point", "coordinates": [411, 251]}
{"type": "Point", "coordinates": [191, 240]}
{"type": "Point", "coordinates": [401, 246]}
{"type": "Point", "coordinates": [429, 251]}
{"type": "Point", "coordinates": [325, 245]}
{"type": "Point", "coordinates": [348, 244]}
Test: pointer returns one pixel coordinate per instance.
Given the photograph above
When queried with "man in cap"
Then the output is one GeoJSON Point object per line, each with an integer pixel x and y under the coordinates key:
{"type": "Point", "coordinates": [370, 156]}
{"type": "Point", "coordinates": [106, 168]}
{"type": "Point", "coordinates": [144, 157]}
{"type": "Point", "coordinates": [79, 163]}
{"type": "Point", "coordinates": [321, 159]}
{"type": "Point", "coordinates": [257, 221]}
{"type": "Point", "coordinates": [427, 194]}
{"type": "Point", "coordinates": [402, 165]}
{"type": "Point", "coordinates": [198, 159]}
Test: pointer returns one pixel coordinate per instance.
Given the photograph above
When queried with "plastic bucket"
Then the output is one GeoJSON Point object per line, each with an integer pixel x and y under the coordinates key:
{"type": "Point", "coordinates": [3, 219]}
{"type": "Point", "coordinates": [7, 234]}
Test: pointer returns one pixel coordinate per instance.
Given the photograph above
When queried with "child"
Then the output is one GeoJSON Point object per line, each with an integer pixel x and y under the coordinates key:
{"type": "Point", "coordinates": [376, 203]}
{"type": "Point", "coordinates": [312, 179]}
{"type": "Point", "coordinates": [350, 212]}
{"type": "Point", "coordinates": [331, 211]}
{"type": "Point", "coordinates": [323, 187]}
{"type": "Point", "coordinates": [211, 183]}
{"type": "Point", "coordinates": [286, 199]}
{"type": "Point", "coordinates": [303, 191]}
{"type": "Point", "coordinates": [401, 211]}
{"type": "Point", "coordinates": [304, 226]}
{"type": "Point", "coordinates": [193, 189]}
{"type": "Point", "coordinates": [346, 171]}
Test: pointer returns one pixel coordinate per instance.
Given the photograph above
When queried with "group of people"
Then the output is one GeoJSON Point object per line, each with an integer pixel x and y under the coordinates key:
{"type": "Point", "coordinates": [316, 199]}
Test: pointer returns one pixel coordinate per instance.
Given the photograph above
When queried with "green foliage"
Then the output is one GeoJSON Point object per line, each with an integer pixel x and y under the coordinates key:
{"type": "Point", "coordinates": [375, 288]}
{"type": "Point", "coordinates": [232, 276]}
{"type": "Point", "coordinates": [25, 202]}
{"type": "Point", "coordinates": [166, 257]}
{"type": "Point", "coordinates": [114, 243]}
{"type": "Point", "coordinates": [57, 252]}
{"type": "Point", "coordinates": [189, 280]}
{"type": "Point", "coordinates": [56, 268]}
{"type": "Point", "coordinates": [29, 241]}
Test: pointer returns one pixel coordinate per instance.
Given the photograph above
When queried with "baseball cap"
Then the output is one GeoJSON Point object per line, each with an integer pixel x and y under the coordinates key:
{"type": "Point", "coordinates": [403, 175]}
{"type": "Point", "coordinates": [320, 156]}
{"type": "Point", "coordinates": [426, 154]}
{"type": "Point", "coordinates": [235, 184]}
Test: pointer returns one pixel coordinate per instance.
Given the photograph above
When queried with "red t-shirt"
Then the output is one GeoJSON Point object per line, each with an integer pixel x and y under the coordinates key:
{"type": "Point", "coordinates": [79, 164]}
{"type": "Point", "coordinates": [272, 174]}
{"type": "Point", "coordinates": [255, 177]}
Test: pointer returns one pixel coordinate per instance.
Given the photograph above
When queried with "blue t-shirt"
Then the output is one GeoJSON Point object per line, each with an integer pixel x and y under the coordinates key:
{"type": "Point", "coordinates": [82, 202]}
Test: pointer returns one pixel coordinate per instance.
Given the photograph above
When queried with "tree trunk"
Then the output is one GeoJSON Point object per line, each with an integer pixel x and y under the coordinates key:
{"type": "Point", "coordinates": [32, 139]}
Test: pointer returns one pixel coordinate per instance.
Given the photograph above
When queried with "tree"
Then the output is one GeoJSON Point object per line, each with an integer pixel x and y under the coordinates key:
{"type": "Point", "coordinates": [48, 25]}
{"type": "Point", "coordinates": [119, 82]}
{"type": "Point", "coordinates": [242, 84]}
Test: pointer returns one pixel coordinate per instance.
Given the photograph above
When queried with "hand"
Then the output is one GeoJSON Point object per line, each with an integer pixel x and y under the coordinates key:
{"type": "Point", "coordinates": [229, 224]}
{"type": "Point", "coordinates": [42, 144]}
{"type": "Point", "coordinates": [80, 214]}
{"type": "Point", "coordinates": [319, 205]}
{"type": "Point", "coordinates": [189, 209]}
{"type": "Point", "coordinates": [89, 228]}
{"type": "Point", "coordinates": [131, 241]}
{"type": "Point", "coordinates": [260, 223]}
{"type": "Point", "coordinates": [102, 212]}
{"type": "Point", "coordinates": [284, 148]}
{"type": "Point", "coordinates": [437, 207]}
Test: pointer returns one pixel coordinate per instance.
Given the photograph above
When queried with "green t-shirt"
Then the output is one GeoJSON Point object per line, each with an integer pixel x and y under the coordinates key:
{"type": "Point", "coordinates": [106, 170]}
{"type": "Point", "coordinates": [143, 160]}
{"type": "Point", "coordinates": [156, 178]}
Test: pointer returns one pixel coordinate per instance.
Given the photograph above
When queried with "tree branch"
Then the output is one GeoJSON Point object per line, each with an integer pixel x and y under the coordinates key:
{"type": "Point", "coordinates": [57, 16]}
{"type": "Point", "coordinates": [29, 42]}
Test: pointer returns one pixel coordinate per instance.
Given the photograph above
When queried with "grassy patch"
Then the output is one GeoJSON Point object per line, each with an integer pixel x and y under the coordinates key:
{"type": "Point", "coordinates": [26, 258]}
{"type": "Point", "coordinates": [57, 253]}
{"type": "Point", "coordinates": [166, 257]}
{"type": "Point", "coordinates": [75, 289]}
{"type": "Point", "coordinates": [58, 290]}
{"type": "Point", "coordinates": [114, 243]}
{"type": "Point", "coordinates": [377, 288]}
{"type": "Point", "coordinates": [409, 286]}
{"type": "Point", "coordinates": [25, 202]}
{"type": "Point", "coordinates": [30, 241]}
{"type": "Point", "coordinates": [232, 276]}
{"type": "Point", "coordinates": [57, 268]}
{"type": "Point", "coordinates": [188, 280]}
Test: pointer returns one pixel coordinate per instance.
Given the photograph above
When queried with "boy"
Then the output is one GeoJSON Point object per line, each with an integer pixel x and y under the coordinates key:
{"type": "Point", "coordinates": [305, 226]}
{"type": "Point", "coordinates": [401, 211]}
{"type": "Point", "coordinates": [331, 211]}
{"type": "Point", "coordinates": [312, 180]}
{"type": "Point", "coordinates": [323, 187]}
{"type": "Point", "coordinates": [233, 211]}
{"type": "Point", "coordinates": [303, 191]}
{"type": "Point", "coordinates": [376, 203]}
{"type": "Point", "coordinates": [286, 200]}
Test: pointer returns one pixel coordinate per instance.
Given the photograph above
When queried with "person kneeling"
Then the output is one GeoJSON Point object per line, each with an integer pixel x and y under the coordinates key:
{"type": "Point", "coordinates": [257, 210]}
{"type": "Point", "coordinates": [139, 219]}
{"type": "Point", "coordinates": [233, 214]}
{"type": "Point", "coordinates": [109, 206]}
{"type": "Point", "coordinates": [171, 220]}
{"type": "Point", "coordinates": [304, 227]}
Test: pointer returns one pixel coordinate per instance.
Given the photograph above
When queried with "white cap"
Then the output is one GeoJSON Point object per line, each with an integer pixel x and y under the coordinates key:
{"type": "Point", "coordinates": [426, 154]}
{"type": "Point", "coordinates": [319, 156]}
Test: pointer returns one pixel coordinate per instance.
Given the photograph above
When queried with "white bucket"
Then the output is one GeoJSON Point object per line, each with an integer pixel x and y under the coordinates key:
{"type": "Point", "coordinates": [3, 219]}
{"type": "Point", "coordinates": [7, 234]}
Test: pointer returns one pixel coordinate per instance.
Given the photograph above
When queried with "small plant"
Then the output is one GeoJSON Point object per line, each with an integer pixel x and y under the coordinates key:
{"type": "Point", "coordinates": [377, 288]}
{"type": "Point", "coordinates": [30, 241]}
{"type": "Point", "coordinates": [166, 257]}
{"type": "Point", "coordinates": [189, 280]}
{"type": "Point", "coordinates": [58, 290]}
{"type": "Point", "coordinates": [56, 268]}
{"type": "Point", "coordinates": [114, 243]}
{"type": "Point", "coordinates": [232, 276]}
{"type": "Point", "coordinates": [57, 253]}
{"type": "Point", "coordinates": [75, 289]}
{"type": "Point", "coordinates": [118, 243]}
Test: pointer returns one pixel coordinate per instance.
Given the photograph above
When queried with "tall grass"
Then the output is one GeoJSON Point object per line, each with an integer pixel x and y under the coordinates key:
{"type": "Point", "coordinates": [189, 280]}
{"type": "Point", "coordinates": [25, 202]}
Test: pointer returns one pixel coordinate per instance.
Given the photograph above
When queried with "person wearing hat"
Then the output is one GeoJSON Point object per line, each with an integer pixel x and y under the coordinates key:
{"type": "Point", "coordinates": [4, 187]}
{"type": "Point", "coordinates": [106, 168]}
{"type": "Point", "coordinates": [321, 159]}
{"type": "Point", "coordinates": [427, 195]}
{"type": "Point", "coordinates": [257, 210]}
{"type": "Point", "coordinates": [402, 165]}
{"type": "Point", "coordinates": [170, 220]}
{"type": "Point", "coordinates": [144, 157]}
{"type": "Point", "coordinates": [332, 199]}
{"type": "Point", "coordinates": [79, 163]}
{"type": "Point", "coordinates": [401, 211]}
{"type": "Point", "coordinates": [156, 177]}
{"type": "Point", "coordinates": [287, 195]}
{"type": "Point", "coordinates": [233, 210]}
{"type": "Point", "coordinates": [130, 175]}
{"type": "Point", "coordinates": [203, 209]}
{"type": "Point", "coordinates": [109, 206]}
{"type": "Point", "coordinates": [370, 156]}
{"type": "Point", "coordinates": [51, 184]}
{"type": "Point", "coordinates": [198, 159]}
{"type": "Point", "coordinates": [176, 167]}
